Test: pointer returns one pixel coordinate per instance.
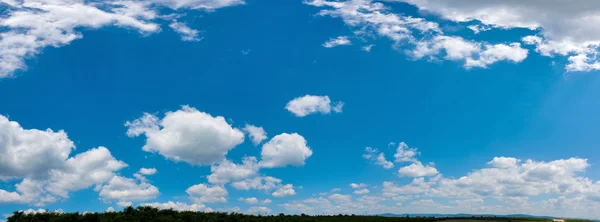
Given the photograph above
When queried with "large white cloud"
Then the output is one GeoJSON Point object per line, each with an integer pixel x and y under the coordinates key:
{"type": "Point", "coordinates": [202, 193]}
{"type": "Point", "coordinates": [29, 26]}
{"type": "Point", "coordinates": [309, 104]}
{"type": "Point", "coordinates": [418, 37]}
{"type": "Point", "coordinates": [226, 171]}
{"type": "Point", "coordinates": [41, 159]}
{"type": "Point", "coordinates": [187, 135]}
{"type": "Point", "coordinates": [565, 28]}
{"type": "Point", "coordinates": [283, 150]}
{"type": "Point", "coordinates": [30, 152]}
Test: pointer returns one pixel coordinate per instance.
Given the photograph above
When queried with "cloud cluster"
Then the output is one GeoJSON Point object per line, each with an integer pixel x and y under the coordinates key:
{"type": "Point", "coordinates": [41, 159]}
{"type": "Point", "coordinates": [29, 26]}
{"type": "Point", "coordinates": [565, 29]}
{"type": "Point", "coordinates": [418, 37]}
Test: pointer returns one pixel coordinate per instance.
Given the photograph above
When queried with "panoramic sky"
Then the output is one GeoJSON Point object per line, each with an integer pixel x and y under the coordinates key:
{"type": "Point", "coordinates": [314, 106]}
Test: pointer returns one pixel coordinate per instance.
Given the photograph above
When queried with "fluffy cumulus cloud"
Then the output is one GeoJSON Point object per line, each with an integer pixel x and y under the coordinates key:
{"type": "Point", "coordinates": [405, 154]}
{"type": "Point", "coordinates": [123, 189]}
{"type": "Point", "coordinates": [41, 161]}
{"type": "Point", "coordinates": [265, 183]}
{"type": "Point", "coordinates": [148, 171]}
{"type": "Point", "coordinates": [202, 193]}
{"type": "Point", "coordinates": [357, 185]}
{"type": "Point", "coordinates": [340, 40]}
{"type": "Point", "coordinates": [187, 135]}
{"type": "Point", "coordinates": [283, 150]}
{"type": "Point", "coordinates": [417, 170]}
{"type": "Point", "coordinates": [361, 191]}
{"type": "Point", "coordinates": [564, 28]}
{"type": "Point", "coordinates": [29, 26]}
{"type": "Point", "coordinates": [259, 210]}
{"type": "Point", "coordinates": [226, 171]}
{"type": "Point", "coordinates": [377, 157]}
{"type": "Point", "coordinates": [285, 190]}
{"type": "Point", "coordinates": [309, 104]}
{"type": "Point", "coordinates": [416, 36]}
{"type": "Point", "coordinates": [256, 133]}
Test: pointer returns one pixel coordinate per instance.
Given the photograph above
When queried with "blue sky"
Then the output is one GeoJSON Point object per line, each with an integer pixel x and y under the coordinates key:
{"type": "Point", "coordinates": [335, 107]}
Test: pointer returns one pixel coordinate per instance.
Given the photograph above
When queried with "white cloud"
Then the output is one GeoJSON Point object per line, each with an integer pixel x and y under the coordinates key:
{"type": "Point", "coordinates": [259, 210]}
{"type": "Point", "coordinates": [405, 154]}
{"type": "Point", "coordinates": [110, 209]}
{"type": "Point", "coordinates": [478, 28]}
{"type": "Point", "coordinates": [340, 40]}
{"type": "Point", "coordinates": [286, 190]}
{"type": "Point", "coordinates": [31, 152]}
{"type": "Point", "coordinates": [187, 33]}
{"type": "Point", "coordinates": [567, 29]}
{"type": "Point", "coordinates": [48, 173]}
{"type": "Point", "coordinates": [357, 185]}
{"type": "Point", "coordinates": [340, 198]}
{"type": "Point", "coordinates": [201, 193]}
{"type": "Point", "coordinates": [361, 191]}
{"type": "Point", "coordinates": [126, 190]}
{"type": "Point", "coordinates": [419, 37]}
{"type": "Point", "coordinates": [379, 159]}
{"type": "Point", "coordinates": [368, 48]}
{"type": "Point", "coordinates": [266, 201]}
{"type": "Point", "coordinates": [226, 171]}
{"type": "Point", "coordinates": [283, 150]}
{"type": "Point", "coordinates": [309, 104]}
{"type": "Point", "coordinates": [504, 162]}
{"type": "Point", "coordinates": [265, 183]}
{"type": "Point", "coordinates": [417, 169]}
{"type": "Point", "coordinates": [148, 171]}
{"type": "Point", "coordinates": [178, 206]}
{"type": "Point", "coordinates": [257, 134]}
{"type": "Point", "coordinates": [199, 4]}
{"type": "Point", "coordinates": [249, 200]}
{"type": "Point", "coordinates": [187, 135]}
{"type": "Point", "coordinates": [30, 26]}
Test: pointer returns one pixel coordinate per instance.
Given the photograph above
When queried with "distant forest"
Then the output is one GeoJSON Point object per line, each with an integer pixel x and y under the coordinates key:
{"type": "Point", "coordinates": [143, 214]}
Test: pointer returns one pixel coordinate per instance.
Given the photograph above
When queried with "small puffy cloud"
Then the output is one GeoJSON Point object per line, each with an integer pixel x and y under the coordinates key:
{"type": "Point", "coordinates": [368, 48]}
{"type": "Point", "coordinates": [148, 171]}
{"type": "Point", "coordinates": [127, 190]}
{"type": "Point", "coordinates": [283, 150]}
{"type": "Point", "coordinates": [405, 154]}
{"type": "Point", "coordinates": [187, 135]}
{"type": "Point", "coordinates": [417, 169]}
{"type": "Point", "coordinates": [378, 158]}
{"type": "Point", "coordinates": [249, 200]}
{"type": "Point", "coordinates": [125, 203]}
{"type": "Point", "coordinates": [257, 134]}
{"type": "Point", "coordinates": [339, 197]}
{"type": "Point", "coordinates": [361, 191]}
{"type": "Point", "coordinates": [309, 104]}
{"type": "Point", "coordinates": [110, 209]}
{"type": "Point", "coordinates": [357, 185]}
{"type": "Point", "coordinates": [187, 33]}
{"type": "Point", "coordinates": [178, 206]}
{"type": "Point", "coordinates": [201, 193]}
{"type": "Point", "coordinates": [259, 210]}
{"type": "Point", "coordinates": [340, 40]}
{"type": "Point", "coordinates": [286, 190]}
{"type": "Point", "coordinates": [504, 162]}
{"type": "Point", "coordinates": [266, 201]}
{"type": "Point", "coordinates": [226, 171]}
